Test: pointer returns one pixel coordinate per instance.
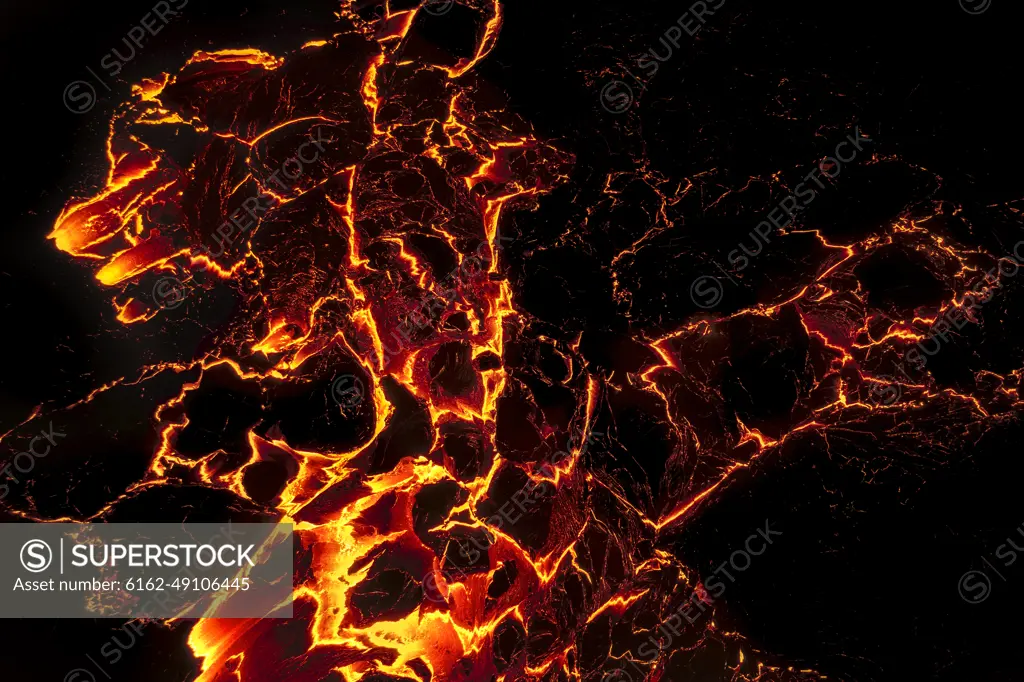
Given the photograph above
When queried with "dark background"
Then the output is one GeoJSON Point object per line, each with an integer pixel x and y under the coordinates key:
{"type": "Point", "coordinates": [867, 591]}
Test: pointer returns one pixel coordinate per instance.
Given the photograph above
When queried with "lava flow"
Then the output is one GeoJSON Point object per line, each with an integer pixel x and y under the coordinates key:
{"type": "Point", "coordinates": [326, 235]}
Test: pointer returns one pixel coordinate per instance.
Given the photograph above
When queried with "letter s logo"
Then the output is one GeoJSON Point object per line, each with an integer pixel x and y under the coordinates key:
{"type": "Point", "coordinates": [36, 556]}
